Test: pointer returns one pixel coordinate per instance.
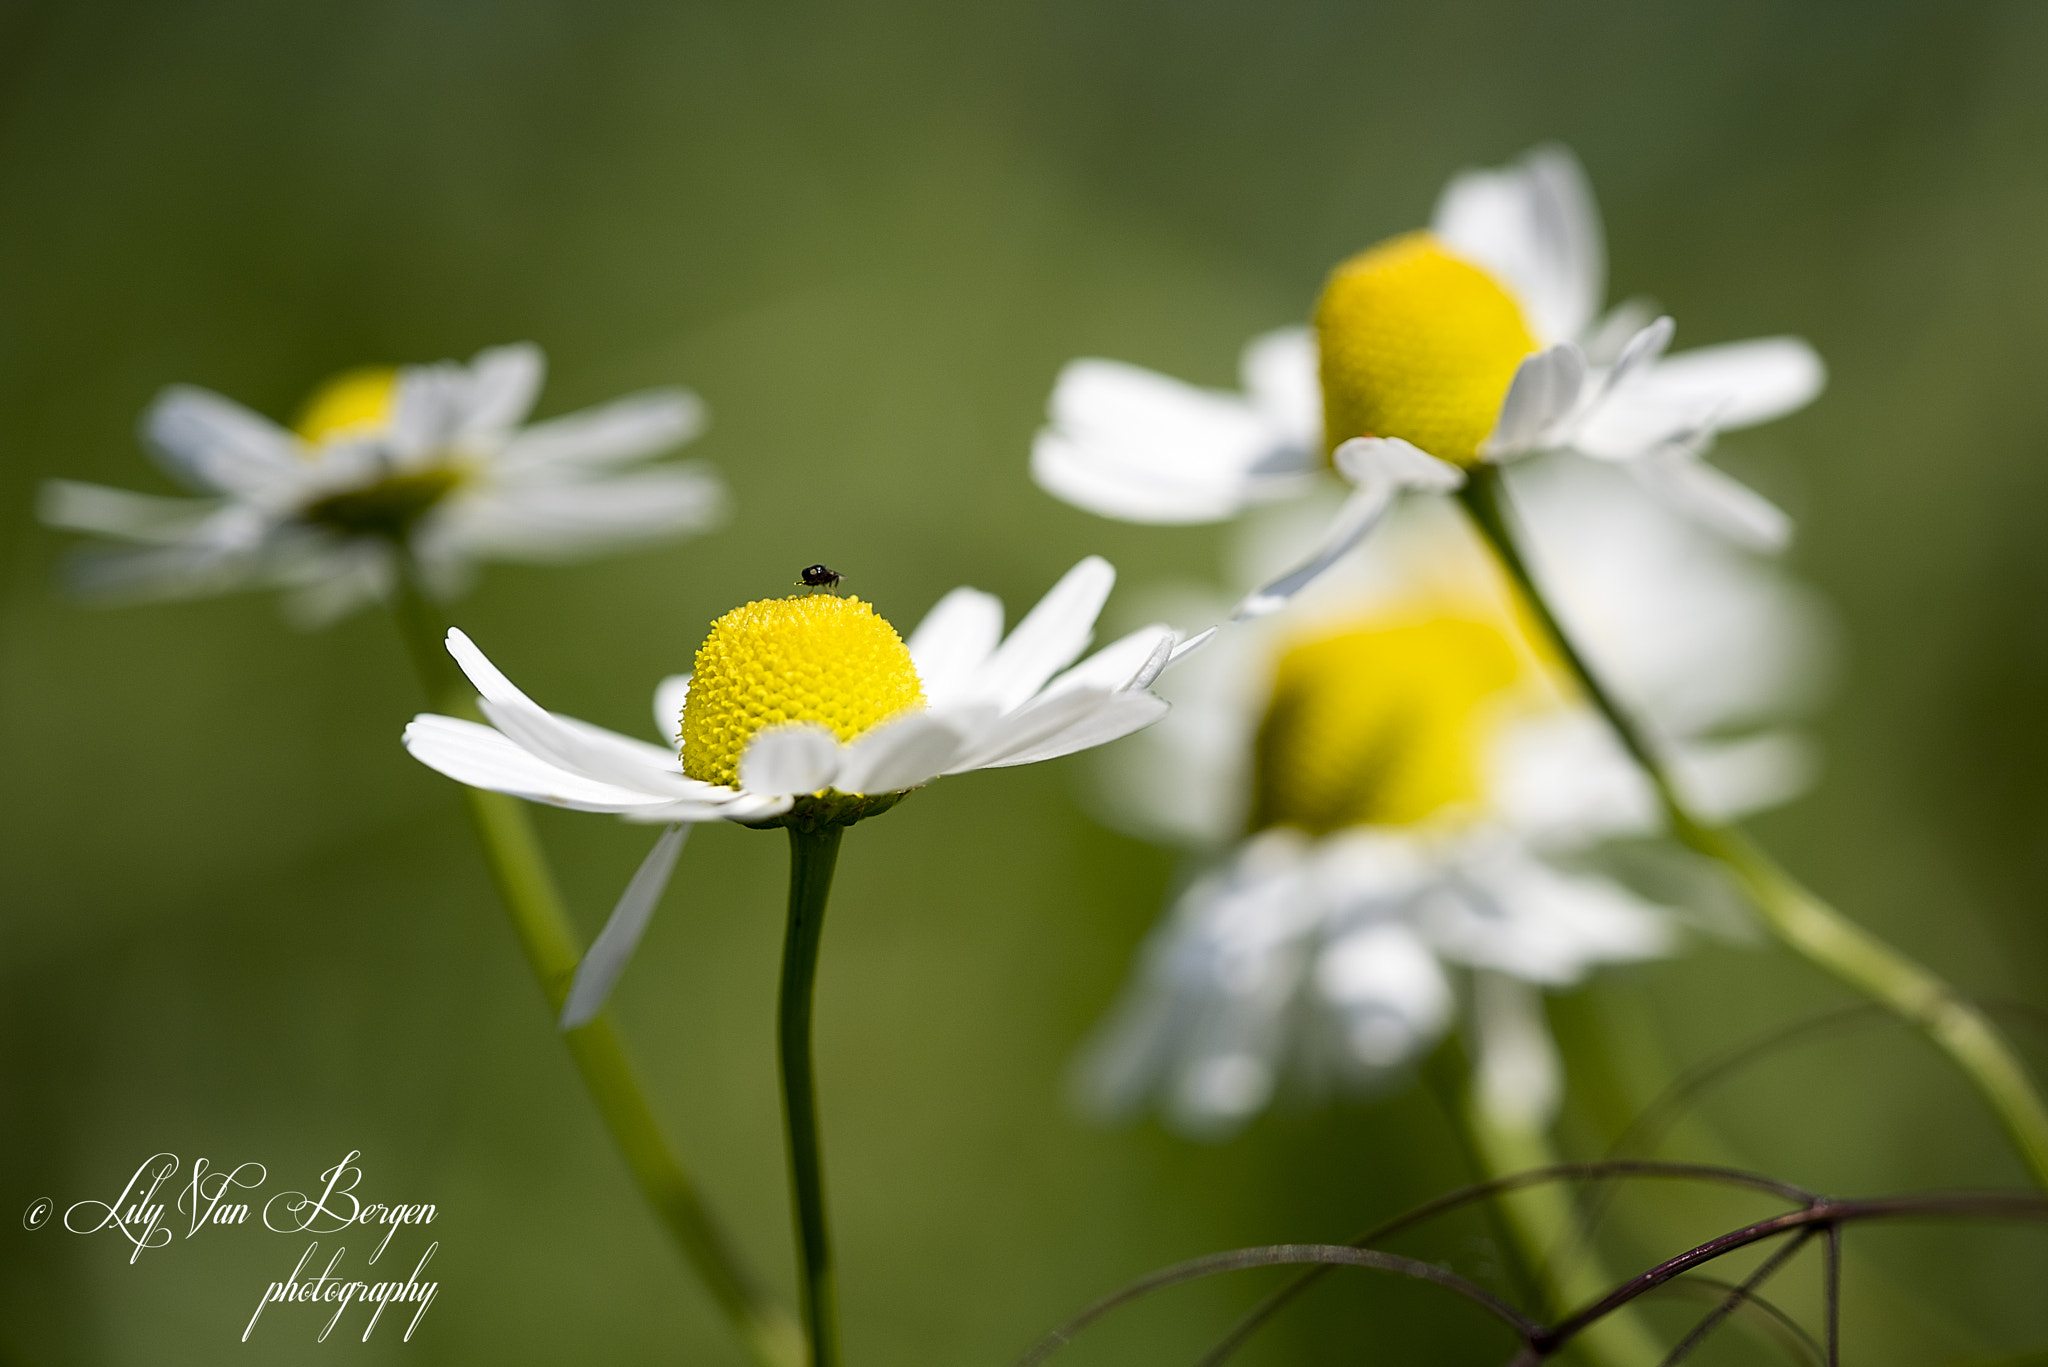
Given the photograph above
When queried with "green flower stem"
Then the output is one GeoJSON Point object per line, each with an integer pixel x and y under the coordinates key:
{"type": "Point", "coordinates": [1544, 1220]}
{"type": "Point", "coordinates": [525, 884]}
{"type": "Point", "coordinates": [1802, 921]}
{"type": "Point", "coordinates": [813, 853]}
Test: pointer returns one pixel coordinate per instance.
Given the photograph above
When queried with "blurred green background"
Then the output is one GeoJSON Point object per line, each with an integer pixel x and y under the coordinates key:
{"type": "Point", "coordinates": [240, 923]}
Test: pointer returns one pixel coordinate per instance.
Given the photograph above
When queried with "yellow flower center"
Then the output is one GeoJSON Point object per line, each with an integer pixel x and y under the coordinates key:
{"type": "Point", "coordinates": [1417, 344]}
{"type": "Point", "coordinates": [812, 657]}
{"type": "Point", "coordinates": [1378, 725]}
{"type": "Point", "coordinates": [353, 403]}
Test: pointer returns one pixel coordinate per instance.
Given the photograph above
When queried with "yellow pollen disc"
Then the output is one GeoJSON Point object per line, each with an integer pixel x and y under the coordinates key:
{"type": "Point", "coordinates": [812, 657]}
{"type": "Point", "coordinates": [1378, 725]}
{"type": "Point", "coordinates": [353, 402]}
{"type": "Point", "coordinates": [1417, 344]}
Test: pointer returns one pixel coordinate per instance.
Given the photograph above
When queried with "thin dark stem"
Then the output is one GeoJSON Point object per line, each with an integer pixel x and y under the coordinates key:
{"type": "Point", "coordinates": [1769, 1318]}
{"type": "Point", "coordinates": [1712, 1319]}
{"type": "Point", "coordinates": [813, 853]}
{"type": "Point", "coordinates": [1282, 1255]}
{"type": "Point", "coordinates": [1257, 1317]}
{"type": "Point", "coordinates": [1821, 1213]}
{"type": "Point", "coordinates": [1832, 1294]}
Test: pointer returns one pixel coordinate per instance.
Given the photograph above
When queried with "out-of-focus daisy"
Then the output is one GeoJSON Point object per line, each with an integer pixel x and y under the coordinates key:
{"type": "Point", "coordinates": [426, 462]}
{"type": "Point", "coordinates": [810, 709]}
{"type": "Point", "coordinates": [1480, 338]}
{"type": "Point", "coordinates": [1391, 782]}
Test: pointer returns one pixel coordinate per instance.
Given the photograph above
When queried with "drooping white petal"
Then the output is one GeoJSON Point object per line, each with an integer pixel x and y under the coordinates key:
{"type": "Point", "coordinates": [1715, 499]}
{"type": "Point", "coordinates": [485, 758]}
{"type": "Point", "coordinates": [116, 512]}
{"type": "Point", "coordinates": [578, 747]}
{"type": "Point", "coordinates": [1548, 389]}
{"type": "Point", "coordinates": [1725, 780]}
{"type": "Point", "coordinates": [615, 433]}
{"type": "Point", "coordinates": [1387, 990]}
{"type": "Point", "coordinates": [614, 945]}
{"type": "Point", "coordinates": [1518, 1079]}
{"type": "Point", "coordinates": [908, 750]}
{"type": "Point", "coordinates": [790, 760]}
{"type": "Point", "coordinates": [1049, 638]}
{"type": "Point", "coordinates": [953, 641]}
{"type": "Point", "coordinates": [669, 697]}
{"type": "Point", "coordinates": [1132, 444]}
{"type": "Point", "coordinates": [1514, 913]}
{"type": "Point", "coordinates": [1381, 467]}
{"type": "Point", "coordinates": [219, 447]}
{"type": "Point", "coordinates": [1116, 715]}
{"type": "Point", "coordinates": [1534, 225]}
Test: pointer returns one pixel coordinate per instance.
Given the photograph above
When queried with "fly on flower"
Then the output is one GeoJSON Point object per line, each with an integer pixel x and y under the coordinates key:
{"type": "Point", "coordinates": [1396, 794]}
{"type": "Point", "coordinates": [1479, 339]}
{"type": "Point", "coordinates": [810, 710]}
{"type": "Point", "coordinates": [420, 468]}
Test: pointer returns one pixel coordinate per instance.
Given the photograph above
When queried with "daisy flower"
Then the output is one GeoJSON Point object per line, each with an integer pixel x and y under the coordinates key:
{"type": "Point", "coordinates": [1478, 339]}
{"type": "Point", "coordinates": [1393, 789]}
{"type": "Point", "coordinates": [429, 464]}
{"type": "Point", "coordinates": [810, 710]}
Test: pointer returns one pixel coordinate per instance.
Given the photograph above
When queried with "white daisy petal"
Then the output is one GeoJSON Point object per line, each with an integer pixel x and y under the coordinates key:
{"type": "Point", "coordinates": [1715, 499]}
{"type": "Point", "coordinates": [953, 641]}
{"type": "Point", "coordinates": [908, 750]}
{"type": "Point", "coordinates": [790, 760]}
{"type": "Point", "coordinates": [1746, 382]}
{"type": "Point", "coordinates": [1388, 991]}
{"type": "Point", "coordinates": [575, 746]}
{"type": "Point", "coordinates": [614, 945]}
{"type": "Point", "coordinates": [1280, 376]}
{"type": "Point", "coordinates": [502, 384]}
{"type": "Point", "coordinates": [669, 697]}
{"type": "Point", "coordinates": [484, 758]}
{"type": "Point", "coordinates": [1129, 662]}
{"type": "Point", "coordinates": [1534, 225]}
{"type": "Point", "coordinates": [116, 512]}
{"type": "Point", "coordinates": [1518, 1078]}
{"type": "Point", "coordinates": [616, 433]}
{"type": "Point", "coordinates": [1029, 727]}
{"type": "Point", "coordinates": [219, 447]}
{"type": "Point", "coordinates": [1135, 445]}
{"type": "Point", "coordinates": [1381, 467]}
{"type": "Point", "coordinates": [569, 518]}
{"type": "Point", "coordinates": [1548, 388]}
{"type": "Point", "coordinates": [1116, 716]}
{"type": "Point", "coordinates": [1049, 638]}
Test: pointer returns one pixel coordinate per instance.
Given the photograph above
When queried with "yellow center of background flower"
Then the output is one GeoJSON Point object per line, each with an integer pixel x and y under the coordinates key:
{"type": "Point", "coordinates": [352, 403]}
{"type": "Point", "coordinates": [1378, 725]}
{"type": "Point", "coordinates": [812, 657]}
{"type": "Point", "coordinates": [1417, 344]}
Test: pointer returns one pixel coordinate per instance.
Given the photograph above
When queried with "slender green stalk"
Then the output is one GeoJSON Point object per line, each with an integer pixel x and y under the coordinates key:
{"type": "Point", "coordinates": [813, 853]}
{"type": "Point", "coordinates": [527, 886]}
{"type": "Point", "coordinates": [1802, 921]}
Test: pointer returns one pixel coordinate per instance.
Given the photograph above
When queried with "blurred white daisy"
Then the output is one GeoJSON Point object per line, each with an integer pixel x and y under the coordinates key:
{"type": "Point", "coordinates": [1480, 338]}
{"type": "Point", "coordinates": [1390, 783]}
{"type": "Point", "coordinates": [810, 708]}
{"type": "Point", "coordinates": [429, 462]}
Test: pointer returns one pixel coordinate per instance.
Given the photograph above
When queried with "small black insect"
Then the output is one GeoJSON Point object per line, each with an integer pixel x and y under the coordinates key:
{"type": "Point", "coordinates": [819, 577]}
